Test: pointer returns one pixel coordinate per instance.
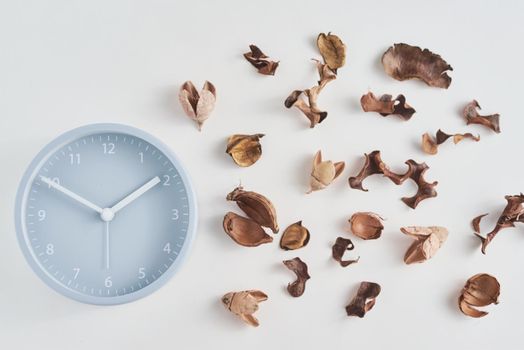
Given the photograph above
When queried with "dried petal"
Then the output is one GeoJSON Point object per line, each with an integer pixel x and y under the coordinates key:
{"type": "Point", "coordinates": [366, 225]}
{"type": "Point", "coordinates": [364, 300]}
{"type": "Point", "coordinates": [339, 248]}
{"type": "Point", "coordinates": [295, 236]}
{"type": "Point", "coordinates": [256, 206]}
{"type": "Point", "coordinates": [473, 117]}
{"type": "Point", "coordinates": [244, 149]}
{"type": "Point", "coordinates": [332, 49]}
{"type": "Point", "coordinates": [197, 106]}
{"type": "Point", "coordinates": [512, 213]}
{"type": "Point", "coordinates": [480, 290]}
{"type": "Point", "coordinates": [324, 172]}
{"type": "Point", "coordinates": [430, 144]}
{"type": "Point", "coordinates": [386, 106]}
{"type": "Point", "coordinates": [427, 242]}
{"type": "Point", "coordinates": [403, 61]}
{"type": "Point", "coordinates": [299, 267]}
{"type": "Point", "coordinates": [425, 189]}
{"type": "Point", "coordinates": [244, 304]}
{"type": "Point", "coordinates": [245, 231]}
{"type": "Point", "coordinates": [260, 61]}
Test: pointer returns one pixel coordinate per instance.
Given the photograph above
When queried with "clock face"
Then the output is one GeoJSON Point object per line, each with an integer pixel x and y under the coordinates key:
{"type": "Point", "coordinates": [105, 214]}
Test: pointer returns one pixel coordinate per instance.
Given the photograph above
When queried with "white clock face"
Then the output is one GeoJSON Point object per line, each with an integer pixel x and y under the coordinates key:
{"type": "Point", "coordinates": [105, 215]}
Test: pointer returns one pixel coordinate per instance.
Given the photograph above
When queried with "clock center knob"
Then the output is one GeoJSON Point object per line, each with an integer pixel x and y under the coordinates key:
{"type": "Point", "coordinates": [107, 214]}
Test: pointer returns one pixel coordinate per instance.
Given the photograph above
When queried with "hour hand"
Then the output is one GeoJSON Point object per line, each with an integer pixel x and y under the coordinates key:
{"type": "Point", "coordinates": [135, 194]}
{"type": "Point", "coordinates": [71, 194]}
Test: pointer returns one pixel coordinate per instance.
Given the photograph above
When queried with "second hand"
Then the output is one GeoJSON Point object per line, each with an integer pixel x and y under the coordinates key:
{"type": "Point", "coordinates": [107, 245]}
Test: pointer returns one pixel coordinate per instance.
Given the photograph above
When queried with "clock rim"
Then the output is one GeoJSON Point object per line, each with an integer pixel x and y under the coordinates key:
{"type": "Point", "coordinates": [21, 202]}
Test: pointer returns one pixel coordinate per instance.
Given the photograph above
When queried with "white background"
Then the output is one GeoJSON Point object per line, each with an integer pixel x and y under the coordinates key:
{"type": "Point", "coordinates": [68, 63]}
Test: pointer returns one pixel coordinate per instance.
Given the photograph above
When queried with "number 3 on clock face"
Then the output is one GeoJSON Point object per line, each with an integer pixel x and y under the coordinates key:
{"type": "Point", "coordinates": [105, 214]}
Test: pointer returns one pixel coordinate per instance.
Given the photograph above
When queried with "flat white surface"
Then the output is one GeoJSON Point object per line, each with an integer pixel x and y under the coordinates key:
{"type": "Point", "coordinates": [69, 63]}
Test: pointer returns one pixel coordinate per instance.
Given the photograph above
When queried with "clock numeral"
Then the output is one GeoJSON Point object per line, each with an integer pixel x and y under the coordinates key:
{"type": "Point", "coordinates": [49, 249]}
{"type": "Point", "coordinates": [56, 180]}
{"type": "Point", "coordinates": [141, 273]}
{"type": "Point", "coordinates": [74, 158]}
{"type": "Point", "coordinates": [167, 248]}
{"type": "Point", "coordinates": [174, 214]}
{"type": "Point", "coordinates": [108, 282]}
{"type": "Point", "coordinates": [109, 148]}
{"type": "Point", "coordinates": [76, 270]}
{"type": "Point", "coordinates": [141, 155]}
{"type": "Point", "coordinates": [167, 180]}
{"type": "Point", "coordinates": [41, 215]}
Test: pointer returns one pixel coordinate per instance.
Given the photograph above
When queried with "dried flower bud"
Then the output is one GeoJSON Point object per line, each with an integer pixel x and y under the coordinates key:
{"type": "Point", "coordinates": [256, 206]}
{"type": "Point", "coordinates": [295, 236]}
{"type": "Point", "coordinates": [428, 241]}
{"type": "Point", "coordinates": [364, 300]}
{"type": "Point", "coordinates": [197, 106]}
{"type": "Point", "coordinates": [403, 61]}
{"type": "Point", "coordinates": [332, 49]}
{"type": "Point", "coordinates": [473, 117]}
{"type": "Point", "coordinates": [430, 144]}
{"type": "Point", "coordinates": [244, 149]}
{"type": "Point", "coordinates": [245, 231]}
{"type": "Point", "coordinates": [385, 105]}
{"type": "Point", "coordinates": [244, 304]}
{"type": "Point", "coordinates": [260, 61]}
{"type": "Point", "coordinates": [339, 248]}
{"type": "Point", "coordinates": [324, 172]}
{"type": "Point", "coordinates": [299, 267]}
{"type": "Point", "coordinates": [366, 225]}
{"type": "Point", "coordinates": [480, 290]}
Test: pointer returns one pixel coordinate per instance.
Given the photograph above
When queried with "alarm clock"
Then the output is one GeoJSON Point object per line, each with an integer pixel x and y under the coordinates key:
{"type": "Point", "coordinates": [105, 214]}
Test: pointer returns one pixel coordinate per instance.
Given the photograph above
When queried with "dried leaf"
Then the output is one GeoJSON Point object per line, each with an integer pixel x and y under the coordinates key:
{"type": "Point", "coordinates": [430, 144]}
{"type": "Point", "coordinates": [425, 189]}
{"type": "Point", "coordinates": [403, 61]}
{"type": "Point", "coordinates": [295, 236]}
{"type": "Point", "coordinates": [260, 61]}
{"type": "Point", "coordinates": [245, 231]}
{"type": "Point", "coordinates": [297, 287]}
{"type": "Point", "coordinates": [324, 172]}
{"type": "Point", "coordinates": [244, 304]}
{"type": "Point", "coordinates": [332, 49]}
{"type": "Point", "coordinates": [473, 117]}
{"type": "Point", "coordinates": [366, 225]}
{"type": "Point", "coordinates": [197, 106]}
{"type": "Point", "coordinates": [256, 206]}
{"type": "Point", "coordinates": [428, 241]}
{"type": "Point", "coordinates": [339, 248]}
{"type": "Point", "coordinates": [512, 213]}
{"type": "Point", "coordinates": [480, 290]}
{"type": "Point", "coordinates": [364, 300]}
{"type": "Point", "coordinates": [244, 149]}
{"type": "Point", "coordinates": [385, 105]}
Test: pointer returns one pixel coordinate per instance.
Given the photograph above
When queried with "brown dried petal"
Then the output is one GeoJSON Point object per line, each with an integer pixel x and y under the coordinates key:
{"type": "Point", "coordinates": [324, 172]}
{"type": "Point", "coordinates": [473, 117]}
{"type": "Point", "coordinates": [480, 290]}
{"type": "Point", "coordinates": [295, 236]}
{"type": "Point", "coordinates": [366, 225]}
{"type": "Point", "coordinates": [364, 300]}
{"type": "Point", "coordinates": [245, 231]}
{"type": "Point", "coordinates": [430, 144]}
{"type": "Point", "coordinates": [197, 106]}
{"type": "Point", "coordinates": [256, 206]}
{"type": "Point", "coordinates": [385, 105]}
{"type": "Point", "coordinates": [244, 149]}
{"type": "Point", "coordinates": [425, 189]}
{"type": "Point", "coordinates": [332, 49]}
{"type": "Point", "coordinates": [427, 242]}
{"type": "Point", "coordinates": [244, 304]}
{"type": "Point", "coordinates": [403, 61]}
{"type": "Point", "coordinates": [339, 248]}
{"type": "Point", "coordinates": [299, 267]}
{"type": "Point", "coordinates": [260, 61]}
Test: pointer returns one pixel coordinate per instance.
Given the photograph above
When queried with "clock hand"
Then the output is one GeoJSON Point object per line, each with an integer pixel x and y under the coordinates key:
{"type": "Point", "coordinates": [107, 245]}
{"type": "Point", "coordinates": [135, 194]}
{"type": "Point", "coordinates": [71, 194]}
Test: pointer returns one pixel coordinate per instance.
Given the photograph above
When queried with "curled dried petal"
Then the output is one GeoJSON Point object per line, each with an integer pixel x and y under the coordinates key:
{"type": "Point", "coordinates": [480, 290]}
{"type": "Point", "coordinates": [324, 172]}
{"type": "Point", "coordinates": [299, 267]}
{"type": "Point", "coordinates": [260, 61]}
{"type": "Point", "coordinates": [425, 189]}
{"type": "Point", "coordinates": [332, 49]}
{"type": "Point", "coordinates": [244, 149]}
{"type": "Point", "coordinates": [245, 231]}
{"type": "Point", "coordinates": [256, 206]}
{"type": "Point", "coordinates": [197, 106]}
{"type": "Point", "coordinates": [366, 225]}
{"type": "Point", "coordinates": [473, 117]}
{"type": "Point", "coordinates": [403, 61]}
{"type": "Point", "coordinates": [295, 236]}
{"type": "Point", "coordinates": [430, 144]}
{"type": "Point", "coordinates": [244, 304]}
{"type": "Point", "coordinates": [339, 248]}
{"type": "Point", "coordinates": [428, 241]}
{"type": "Point", "coordinates": [385, 105]}
{"type": "Point", "coordinates": [364, 300]}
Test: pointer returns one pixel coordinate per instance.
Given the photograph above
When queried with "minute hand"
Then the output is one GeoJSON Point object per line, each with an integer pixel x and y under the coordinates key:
{"type": "Point", "coordinates": [137, 193]}
{"type": "Point", "coordinates": [71, 194]}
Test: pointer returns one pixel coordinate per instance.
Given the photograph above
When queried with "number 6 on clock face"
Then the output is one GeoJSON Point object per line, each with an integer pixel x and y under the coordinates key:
{"type": "Point", "coordinates": [105, 214]}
